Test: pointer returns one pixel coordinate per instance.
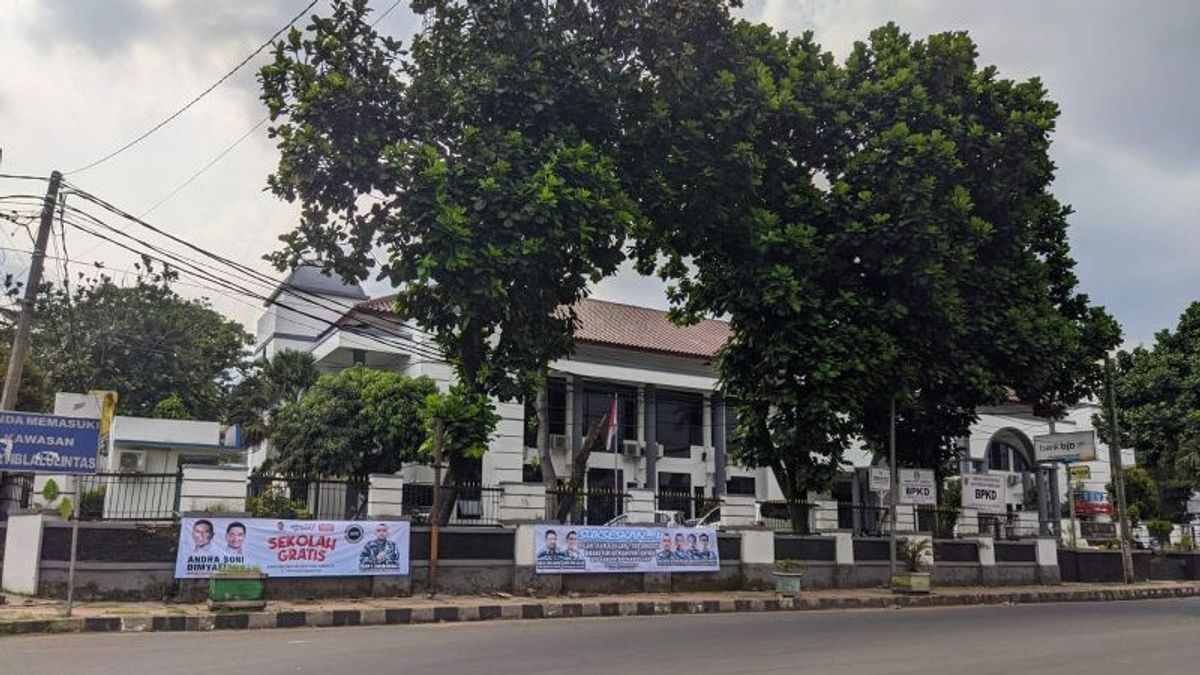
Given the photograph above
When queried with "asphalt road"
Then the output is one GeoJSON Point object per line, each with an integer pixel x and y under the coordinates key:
{"type": "Point", "coordinates": [1130, 638]}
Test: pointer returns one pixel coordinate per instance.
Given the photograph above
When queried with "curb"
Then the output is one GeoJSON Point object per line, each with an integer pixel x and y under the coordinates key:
{"type": "Point", "coordinates": [562, 610]}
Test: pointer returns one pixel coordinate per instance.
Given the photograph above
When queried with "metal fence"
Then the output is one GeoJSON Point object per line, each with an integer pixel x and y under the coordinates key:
{"type": "Point", "coordinates": [16, 493]}
{"type": "Point", "coordinates": [468, 504]}
{"type": "Point", "coordinates": [129, 496]}
{"type": "Point", "coordinates": [301, 497]}
{"type": "Point", "coordinates": [778, 516]}
{"type": "Point", "coordinates": [867, 521]}
{"type": "Point", "coordinates": [939, 521]}
{"type": "Point", "coordinates": [686, 504]}
{"type": "Point", "coordinates": [588, 507]}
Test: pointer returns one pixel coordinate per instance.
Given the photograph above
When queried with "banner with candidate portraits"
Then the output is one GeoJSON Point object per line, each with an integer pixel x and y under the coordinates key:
{"type": "Point", "coordinates": [292, 548]}
{"type": "Point", "coordinates": [574, 549]}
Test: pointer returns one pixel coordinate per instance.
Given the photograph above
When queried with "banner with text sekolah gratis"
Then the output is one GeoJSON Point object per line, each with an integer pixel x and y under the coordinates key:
{"type": "Point", "coordinates": [39, 443]}
{"type": "Point", "coordinates": [573, 549]}
{"type": "Point", "coordinates": [292, 548]}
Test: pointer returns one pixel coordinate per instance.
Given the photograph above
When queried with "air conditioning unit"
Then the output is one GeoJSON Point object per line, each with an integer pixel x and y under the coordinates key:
{"type": "Point", "coordinates": [631, 449]}
{"type": "Point", "coordinates": [558, 442]}
{"type": "Point", "coordinates": [131, 462]}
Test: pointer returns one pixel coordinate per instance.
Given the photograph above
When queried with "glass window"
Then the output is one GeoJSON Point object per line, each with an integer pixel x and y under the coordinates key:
{"type": "Point", "coordinates": [680, 422]}
{"type": "Point", "coordinates": [1004, 457]}
{"type": "Point", "coordinates": [556, 406]}
{"type": "Point", "coordinates": [740, 485]}
{"type": "Point", "coordinates": [598, 400]}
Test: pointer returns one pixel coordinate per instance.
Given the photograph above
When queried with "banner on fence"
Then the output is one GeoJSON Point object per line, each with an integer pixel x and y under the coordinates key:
{"type": "Point", "coordinates": [569, 549]}
{"type": "Point", "coordinates": [48, 443]}
{"type": "Point", "coordinates": [1075, 446]}
{"type": "Point", "coordinates": [292, 548]}
{"type": "Point", "coordinates": [985, 493]}
{"type": "Point", "coordinates": [918, 486]}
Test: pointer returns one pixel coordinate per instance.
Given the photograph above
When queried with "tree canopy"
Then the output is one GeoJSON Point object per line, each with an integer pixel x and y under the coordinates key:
{"type": "Point", "coordinates": [266, 385]}
{"type": "Point", "coordinates": [142, 340]}
{"type": "Point", "coordinates": [356, 422]}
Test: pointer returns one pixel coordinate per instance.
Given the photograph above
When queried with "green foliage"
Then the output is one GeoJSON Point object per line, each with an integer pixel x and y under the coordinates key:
{"type": "Point", "coordinates": [171, 408]}
{"type": "Point", "coordinates": [274, 503]}
{"type": "Point", "coordinates": [486, 146]}
{"type": "Point", "coordinates": [267, 384]}
{"type": "Point", "coordinates": [1158, 396]}
{"type": "Point", "coordinates": [467, 421]}
{"type": "Point", "coordinates": [1160, 530]}
{"type": "Point", "coordinates": [91, 503]}
{"type": "Point", "coordinates": [352, 423]}
{"type": "Point", "coordinates": [913, 551]}
{"type": "Point", "coordinates": [139, 340]}
{"type": "Point", "coordinates": [66, 508]}
{"type": "Point", "coordinates": [50, 491]}
{"type": "Point", "coordinates": [36, 394]}
{"type": "Point", "coordinates": [1141, 495]}
{"type": "Point", "coordinates": [790, 565]}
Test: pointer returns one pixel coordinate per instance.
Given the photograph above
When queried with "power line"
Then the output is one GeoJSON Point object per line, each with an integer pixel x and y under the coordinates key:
{"type": "Point", "coordinates": [202, 94]}
{"type": "Point", "coordinates": [204, 168]}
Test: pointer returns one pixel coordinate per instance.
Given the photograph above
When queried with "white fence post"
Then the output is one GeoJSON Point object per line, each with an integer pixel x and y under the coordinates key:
{"type": "Point", "coordinates": [213, 488]}
{"type": "Point", "coordinates": [522, 502]}
{"type": "Point", "coordinates": [385, 498]}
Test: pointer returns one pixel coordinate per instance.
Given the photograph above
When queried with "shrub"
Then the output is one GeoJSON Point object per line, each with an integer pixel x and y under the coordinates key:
{"type": "Point", "coordinates": [274, 503]}
{"type": "Point", "coordinates": [50, 491]}
{"type": "Point", "coordinates": [91, 503]}
{"type": "Point", "coordinates": [912, 551]}
{"type": "Point", "coordinates": [1160, 531]}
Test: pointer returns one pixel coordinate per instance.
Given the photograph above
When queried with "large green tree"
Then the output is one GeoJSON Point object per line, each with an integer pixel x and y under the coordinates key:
{"type": "Point", "coordinates": [479, 159]}
{"type": "Point", "coordinates": [142, 340]}
{"type": "Point", "coordinates": [356, 422]}
{"type": "Point", "coordinates": [1158, 396]}
{"type": "Point", "coordinates": [267, 385]}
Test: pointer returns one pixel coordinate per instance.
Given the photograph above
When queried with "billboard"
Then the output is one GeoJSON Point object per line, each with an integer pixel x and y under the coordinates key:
{"type": "Point", "coordinates": [1076, 446]}
{"type": "Point", "coordinates": [39, 443]}
{"type": "Point", "coordinates": [918, 486]}
{"type": "Point", "coordinates": [292, 548]}
{"type": "Point", "coordinates": [985, 492]}
{"type": "Point", "coordinates": [571, 549]}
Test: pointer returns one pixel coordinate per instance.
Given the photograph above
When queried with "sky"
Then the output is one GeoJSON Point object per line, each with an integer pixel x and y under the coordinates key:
{"type": "Point", "coordinates": [79, 78]}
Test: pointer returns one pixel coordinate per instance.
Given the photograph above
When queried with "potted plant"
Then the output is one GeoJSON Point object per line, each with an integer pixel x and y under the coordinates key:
{"type": "Point", "coordinates": [236, 587]}
{"type": "Point", "coordinates": [912, 552]}
{"type": "Point", "coordinates": [789, 577]}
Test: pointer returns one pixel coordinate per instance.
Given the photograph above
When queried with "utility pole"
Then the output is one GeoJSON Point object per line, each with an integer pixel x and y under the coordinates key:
{"type": "Point", "coordinates": [435, 511]}
{"type": "Point", "coordinates": [1118, 472]}
{"type": "Point", "coordinates": [16, 358]}
{"type": "Point", "coordinates": [895, 486]}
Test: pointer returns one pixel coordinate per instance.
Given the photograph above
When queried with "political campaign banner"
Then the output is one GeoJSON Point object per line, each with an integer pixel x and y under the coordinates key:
{"type": "Point", "coordinates": [39, 443]}
{"type": "Point", "coordinates": [985, 493]}
{"type": "Point", "coordinates": [292, 548]}
{"type": "Point", "coordinates": [1075, 446]}
{"type": "Point", "coordinates": [573, 549]}
{"type": "Point", "coordinates": [917, 486]}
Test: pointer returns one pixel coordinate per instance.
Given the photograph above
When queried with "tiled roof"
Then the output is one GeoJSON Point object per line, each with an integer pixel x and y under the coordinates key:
{"type": "Point", "coordinates": [624, 326]}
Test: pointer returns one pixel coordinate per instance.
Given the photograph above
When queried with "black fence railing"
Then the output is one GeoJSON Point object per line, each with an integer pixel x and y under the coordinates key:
{"type": "Point", "coordinates": [468, 504]}
{"type": "Point", "coordinates": [1012, 527]}
{"type": "Point", "coordinates": [304, 498]}
{"type": "Point", "coordinates": [129, 496]}
{"type": "Point", "coordinates": [796, 518]}
{"type": "Point", "coordinates": [938, 521]}
{"type": "Point", "coordinates": [16, 493]}
{"type": "Point", "coordinates": [866, 521]}
{"type": "Point", "coordinates": [686, 504]}
{"type": "Point", "coordinates": [584, 507]}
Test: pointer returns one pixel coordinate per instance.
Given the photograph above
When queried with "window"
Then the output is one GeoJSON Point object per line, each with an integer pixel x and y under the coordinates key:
{"type": "Point", "coordinates": [556, 406]}
{"type": "Point", "coordinates": [740, 485]}
{"type": "Point", "coordinates": [680, 422]}
{"type": "Point", "coordinates": [531, 473]}
{"type": "Point", "coordinates": [597, 401]}
{"type": "Point", "coordinates": [1004, 457]}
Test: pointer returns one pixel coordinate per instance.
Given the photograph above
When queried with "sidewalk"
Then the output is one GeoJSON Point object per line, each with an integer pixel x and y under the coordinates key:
{"type": "Point", "coordinates": [33, 615]}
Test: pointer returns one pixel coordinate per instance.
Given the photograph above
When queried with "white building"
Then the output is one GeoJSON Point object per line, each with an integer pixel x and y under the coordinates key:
{"type": "Point", "coordinates": [661, 375]}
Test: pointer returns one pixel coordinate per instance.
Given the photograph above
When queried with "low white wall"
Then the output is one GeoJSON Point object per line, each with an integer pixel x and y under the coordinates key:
{"type": "Point", "coordinates": [22, 553]}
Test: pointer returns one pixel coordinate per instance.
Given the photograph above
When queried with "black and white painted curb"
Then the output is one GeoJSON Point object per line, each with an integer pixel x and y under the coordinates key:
{"type": "Point", "coordinates": [558, 609]}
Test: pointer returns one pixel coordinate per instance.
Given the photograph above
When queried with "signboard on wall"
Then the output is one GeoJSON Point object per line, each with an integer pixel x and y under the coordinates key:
{"type": "Point", "coordinates": [1076, 446]}
{"type": "Point", "coordinates": [880, 479]}
{"type": "Point", "coordinates": [917, 486]}
{"type": "Point", "coordinates": [986, 493]}
{"type": "Point", "coordinates": [39, 443]}
{"type": "Point", "coordinates": [570, 549]}
{"type": "Point", "coordinates": [292, 548]}
{"type": "Point", "coordinates": [1080, 472]}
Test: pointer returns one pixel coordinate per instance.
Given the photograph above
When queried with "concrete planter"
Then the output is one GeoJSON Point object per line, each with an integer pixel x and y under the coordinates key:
{"type": "Point", "coordinates": [911, 583]}
{"type": "Point", "coordinates": [236, 590]}
{"type": "Point", "coordinates": [788, 583]}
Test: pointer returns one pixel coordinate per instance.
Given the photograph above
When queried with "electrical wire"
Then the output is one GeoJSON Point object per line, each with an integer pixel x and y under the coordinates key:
{"type": "Point", "coordinates": [202, 94]}
{"type": "Point", "coordinates": [204, 168]}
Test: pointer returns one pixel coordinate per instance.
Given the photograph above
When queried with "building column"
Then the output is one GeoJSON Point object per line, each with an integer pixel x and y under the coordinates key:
{"type": "Point", "coordinates": [575, 393]}
{"type": "Point", "coordinates": [720, 458]}
{"type": "Point", "coordinates": [651, 436]}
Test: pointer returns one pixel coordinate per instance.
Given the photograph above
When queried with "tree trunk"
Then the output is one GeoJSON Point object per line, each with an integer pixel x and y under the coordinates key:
{"type": "Point", "coordinates": [569, 491]}
{"type": "Point", "coordinates": [549, 475]}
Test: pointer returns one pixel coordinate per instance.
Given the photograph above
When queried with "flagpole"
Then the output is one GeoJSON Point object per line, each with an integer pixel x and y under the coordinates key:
{"type": "Point", "coordinates": [616, 459]}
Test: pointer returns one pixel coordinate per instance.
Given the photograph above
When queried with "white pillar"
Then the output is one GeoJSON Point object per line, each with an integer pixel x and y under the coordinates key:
{"type": "Point", "coordinates": [385, 497]}
{"type": "Point", "coordinates": [212, 487]}
{"type": "Point", "coordinates": [640, 506]}
{"type": "Point", "coordinates": [522, 502]}
{"type": "Point", "coordinates": [738, 511]}
{"type": "Point", "coordinates": [23, 553]}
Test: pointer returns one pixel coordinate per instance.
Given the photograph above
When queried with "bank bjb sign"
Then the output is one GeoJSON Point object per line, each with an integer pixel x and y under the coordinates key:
{"type": "Point", "coordinates": [985, 493]}
{"type": "Point", "coordinates": [1076, 446]}
{"type": "Point", "coordinates": [48, 443]}
{"type": "Point", "coordinates": [917, 486]}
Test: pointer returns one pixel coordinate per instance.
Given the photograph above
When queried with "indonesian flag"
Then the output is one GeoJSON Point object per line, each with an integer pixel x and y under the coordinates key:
{"type": "Point", "coordinates": [611, 439]}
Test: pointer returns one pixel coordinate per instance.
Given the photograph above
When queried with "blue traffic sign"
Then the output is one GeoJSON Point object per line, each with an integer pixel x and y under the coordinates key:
{"type": "Point", "coordinates": [37, 443]}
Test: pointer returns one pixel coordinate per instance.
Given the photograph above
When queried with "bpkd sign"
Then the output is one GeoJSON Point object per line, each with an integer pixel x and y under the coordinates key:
{"type": "Point", "coordinates": [1076, 446]}
{"type": "Point", "coordinates": [918, 486]}
{"type": "Point", "coordinates": [985, 493]}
